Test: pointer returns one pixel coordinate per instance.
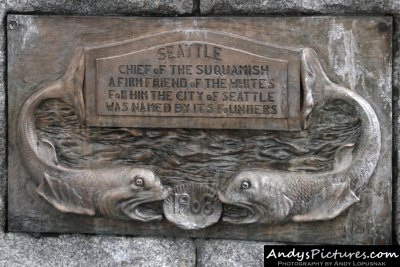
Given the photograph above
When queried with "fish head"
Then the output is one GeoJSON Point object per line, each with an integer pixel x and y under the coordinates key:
{"type": "Point", "coordinates": [238, 197]}
{"type": "Point", "coordinates": [134, 194]}
{"type": "Point", "coordinates": [253, 197]}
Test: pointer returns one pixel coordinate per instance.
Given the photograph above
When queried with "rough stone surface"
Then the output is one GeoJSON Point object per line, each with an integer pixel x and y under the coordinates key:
{"type": "Point", "coordinates": [230, 253]}
{"type": "Point", "coordinates": [78, 250]}
{"type": "Point", "coordinates": [95, 7]}
{"type": "Point", "coordinates": [294, 7]}
{"type": "Point", "coordinates": [3, 151]}
{"type": "Point", "coordinates": [396, 124]}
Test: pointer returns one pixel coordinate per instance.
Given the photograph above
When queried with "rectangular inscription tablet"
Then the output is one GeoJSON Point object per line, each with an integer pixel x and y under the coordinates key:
{"type": "Point", "coordinates": [230, 85]}
{"type": "Point", "coordinates": [198, 79]}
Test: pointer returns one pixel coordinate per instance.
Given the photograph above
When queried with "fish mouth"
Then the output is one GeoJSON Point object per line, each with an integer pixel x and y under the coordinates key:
{"type": "Point", "coordinates": [146, 208]}
{"type": "Point", "coordinates": [145, 211]}
{"type": "Point", "coordinates": [237, 212]}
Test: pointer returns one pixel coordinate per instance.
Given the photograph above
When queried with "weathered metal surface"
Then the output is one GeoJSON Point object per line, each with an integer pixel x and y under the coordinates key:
{"type": "Point", "coordinates": [271, 196]}
{"type": "Point", "coordinates": [92, 162]}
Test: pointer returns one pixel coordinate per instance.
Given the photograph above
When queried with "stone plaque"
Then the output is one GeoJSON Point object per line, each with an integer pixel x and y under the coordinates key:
{"type": "Point", "coordinates": [250, 128]}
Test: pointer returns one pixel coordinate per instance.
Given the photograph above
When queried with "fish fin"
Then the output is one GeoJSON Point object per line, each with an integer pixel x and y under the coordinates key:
{"type": "Point", "coordinates": [282, 208]}
{"type": "Point", "coordinates": [62, 196]}
{"type": "Point", "coordinates": [329, 203]}
{"type": "Point", "coordinates": [343, 157]}
{"type": "Point", "coordinates": [47, 151]}
{"type": "Point", "coordinates": [73, 82]}
{"type": "Point", "coordinates": [314, 81]}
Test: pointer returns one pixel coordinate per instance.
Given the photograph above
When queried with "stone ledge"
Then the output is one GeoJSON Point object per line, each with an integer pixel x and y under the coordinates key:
{"type": "Point", "coordinates": [80, 250]}
{"type": "Point", "coordinates": [96, 7]}
{"type": "Point", "coordinates": [296, 7]}
{"type": "Point", "coordinates": [3, 125]}
{"type": "Point", "coordinates": [230, 253]}
{"type": "Point", "coordinates": [396, 124]}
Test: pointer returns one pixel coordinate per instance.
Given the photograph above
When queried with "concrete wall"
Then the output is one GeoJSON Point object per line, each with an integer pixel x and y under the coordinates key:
{"type": "Point", "coordinates": [18, 249]}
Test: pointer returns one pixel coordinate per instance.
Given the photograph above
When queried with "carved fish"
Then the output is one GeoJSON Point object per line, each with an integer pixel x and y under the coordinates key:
{"type": "Point", "coordinates": [115, 192]}
{"type": "Point", "coordinates": [271, 196]}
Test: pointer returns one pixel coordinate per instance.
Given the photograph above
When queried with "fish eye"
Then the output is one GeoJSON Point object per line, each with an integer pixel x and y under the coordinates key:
{"type": "Point", "coordinates": [139, 181]}
{"type": "Point", "coordinates": [245, 185]}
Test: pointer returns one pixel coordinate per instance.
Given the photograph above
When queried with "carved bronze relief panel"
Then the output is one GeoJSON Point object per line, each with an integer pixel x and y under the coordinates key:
{"type": "Point", "coordinates": [250, 128]}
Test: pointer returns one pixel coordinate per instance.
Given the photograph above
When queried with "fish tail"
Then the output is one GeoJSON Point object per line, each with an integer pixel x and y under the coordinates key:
{"type": "Point", "coordinates": [72, 81]}
{"type": "Point", "coordinates": [319, 90]}
{"type": "Point", "coordinates": [314, 82]}
{"type": "Point", "coordinates": [37, 156]}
